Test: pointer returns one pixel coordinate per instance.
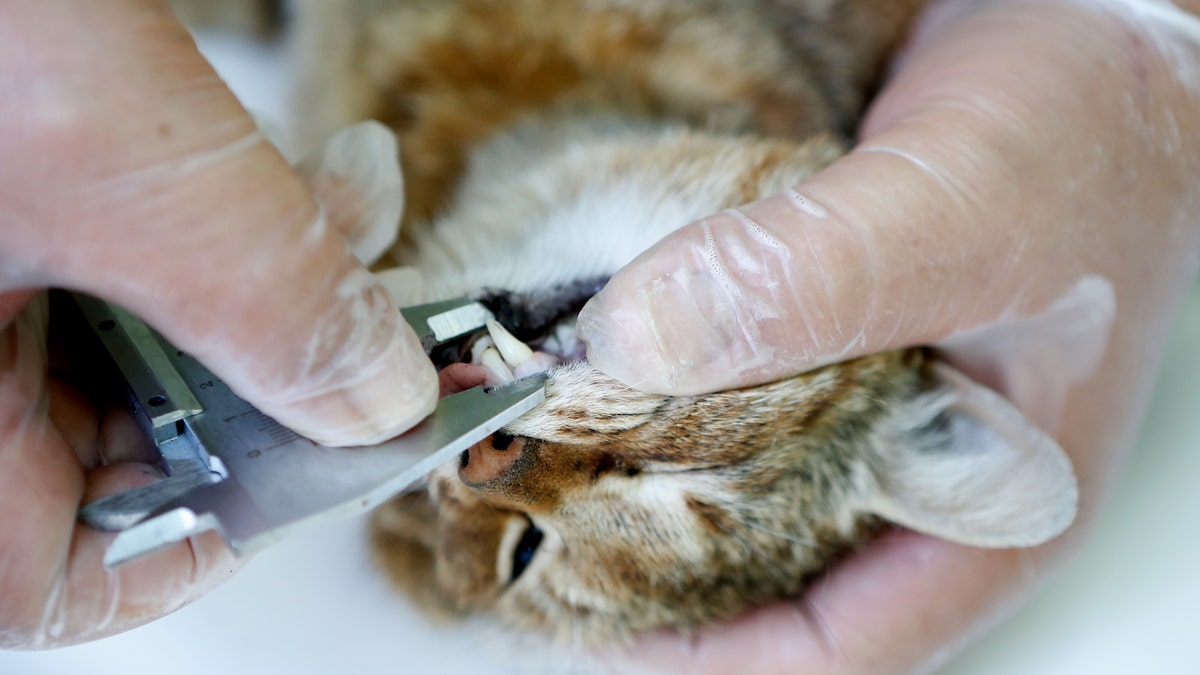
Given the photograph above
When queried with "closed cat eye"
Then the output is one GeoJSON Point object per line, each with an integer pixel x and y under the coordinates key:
{"type": "Point", "coordinates": [524, 551]}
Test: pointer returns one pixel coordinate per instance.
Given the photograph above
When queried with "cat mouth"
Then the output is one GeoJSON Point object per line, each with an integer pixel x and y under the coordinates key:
{"type": "Point", "coordinates": [531, 332]}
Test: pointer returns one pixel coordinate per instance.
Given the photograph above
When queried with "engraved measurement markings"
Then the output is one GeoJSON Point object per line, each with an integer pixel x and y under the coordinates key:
{"type": "Point", "coordinates": [279, 434]}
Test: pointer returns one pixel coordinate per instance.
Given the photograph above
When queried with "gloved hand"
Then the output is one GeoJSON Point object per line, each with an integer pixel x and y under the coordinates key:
{"type": "Point", "coordinates": [1024, 194]}
{"type": "Point", "coordinates": [129, 171]}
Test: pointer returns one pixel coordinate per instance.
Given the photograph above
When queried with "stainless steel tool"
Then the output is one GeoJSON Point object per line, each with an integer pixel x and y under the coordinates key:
{"type": "Point", "coordinates": [232, 469]}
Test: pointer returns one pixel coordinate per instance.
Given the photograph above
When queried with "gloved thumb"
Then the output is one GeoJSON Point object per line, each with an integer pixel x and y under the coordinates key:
{"type": "Point", "coordinates": [948, 216]}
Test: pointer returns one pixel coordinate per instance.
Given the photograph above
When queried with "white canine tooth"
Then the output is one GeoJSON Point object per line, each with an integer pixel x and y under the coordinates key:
{"type": "Point", "coordinates": [492, 360]}
{"type": "Point", "coordinates": [513, 350]}
{"type": "Point", "coordinates": [479, 347]}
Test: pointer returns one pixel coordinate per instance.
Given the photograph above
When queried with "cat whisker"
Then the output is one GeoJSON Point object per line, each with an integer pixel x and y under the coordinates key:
{"type": "Point", "coordinates": [810, 617]}
{"type": "Point", "coordinates": [732, 514]}
{"type": "Point", "coordinates": [635, 385]}
{"type": "Point", "coordinates": [781, 535]}
{"type": "Point", "coordinates": [825, 632]}
{"type": "Point", "coordinates": [578, 656]}
{"type": "Point", "coordinates": [761, 554]}
{"type": "Point", "coordinates": [576, 632]}
{"type": "Point", "coordinates": [666, 470]}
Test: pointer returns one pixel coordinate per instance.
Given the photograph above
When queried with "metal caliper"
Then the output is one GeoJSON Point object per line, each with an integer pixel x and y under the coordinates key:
{"type": "Point", "coordinates": [232, 469]}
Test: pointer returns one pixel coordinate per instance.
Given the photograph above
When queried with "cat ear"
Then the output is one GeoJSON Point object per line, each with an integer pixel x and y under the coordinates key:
{"type": "Point", "coordinates": [356, 178]}
{"type": "Point", "coordinates": [964, 465]}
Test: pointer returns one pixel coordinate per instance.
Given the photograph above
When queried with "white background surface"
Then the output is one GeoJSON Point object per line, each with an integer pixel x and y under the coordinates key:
{"type": "Point", "coordinates": [1129, 604]}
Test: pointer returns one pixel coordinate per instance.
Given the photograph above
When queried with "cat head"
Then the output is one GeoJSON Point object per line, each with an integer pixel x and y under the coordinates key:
{"type": "Point", "coordinates": [606, 510]}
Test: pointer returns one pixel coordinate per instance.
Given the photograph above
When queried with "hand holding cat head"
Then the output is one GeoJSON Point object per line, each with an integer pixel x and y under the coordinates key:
{"type": "Point", "coordinates": [1023, 196]}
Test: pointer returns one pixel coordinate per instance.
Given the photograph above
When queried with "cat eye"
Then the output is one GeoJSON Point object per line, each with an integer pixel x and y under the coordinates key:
{"type": "Point", "coordinates": [526, 547]}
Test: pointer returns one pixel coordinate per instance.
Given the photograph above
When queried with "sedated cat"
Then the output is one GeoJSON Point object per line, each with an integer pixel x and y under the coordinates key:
{"type": "Point", "coordinates": [545, 143]}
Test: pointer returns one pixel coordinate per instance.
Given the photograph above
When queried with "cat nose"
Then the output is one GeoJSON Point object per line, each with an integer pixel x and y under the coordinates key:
{"type": "Point", "coordinates": [490, 458]}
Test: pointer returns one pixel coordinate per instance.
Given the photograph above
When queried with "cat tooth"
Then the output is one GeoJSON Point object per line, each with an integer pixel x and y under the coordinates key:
{"type": "Point", "coordinates": [567, 338]}
{"type": "Point", "coordinates": [540, 361]}
{"type": "Point", "coordinates": [513, 350]}
{"type": "Point", "coordinates": [492, 360]}
{"type": "Point", "coordinates": [481, 345]}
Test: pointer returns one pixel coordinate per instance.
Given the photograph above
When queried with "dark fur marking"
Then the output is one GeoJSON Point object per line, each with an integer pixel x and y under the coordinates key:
{"type": "Point", "coordinates": [713, 517]}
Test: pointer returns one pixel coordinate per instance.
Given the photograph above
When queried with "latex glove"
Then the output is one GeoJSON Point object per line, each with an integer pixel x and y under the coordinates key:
{"type": "Point", "coordinates": [1028, 164]}
{"type": "Point", "coordinates": [130, 172]}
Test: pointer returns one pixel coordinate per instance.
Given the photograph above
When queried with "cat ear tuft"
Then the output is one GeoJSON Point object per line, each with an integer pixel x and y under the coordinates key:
{"type": "Point", "coordinates": [963, 464]}
{"type": "Point", "coordinates": [356, 178]}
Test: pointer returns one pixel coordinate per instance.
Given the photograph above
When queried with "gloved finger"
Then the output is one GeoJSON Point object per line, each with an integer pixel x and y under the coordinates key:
{"type": "Point", "coordinates": [12, 302]}
{"type": "Point", "coordinates": [949, 214]}
{"type": "Point", "coordinates": [356, 178]}
{"type": "Point", "coordinates": [872, 615]}
{"type": "Point", "coordinates": [77, 421]}
{"type": "Point", "coordinates": [120, 439]}
{"type": "Point", "coordinates": [55, 588]}
{"type": "Point", "coordinates": [180, 211]}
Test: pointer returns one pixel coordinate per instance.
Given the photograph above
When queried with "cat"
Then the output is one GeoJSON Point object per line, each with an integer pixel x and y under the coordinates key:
{"type": "Point", "coordinates": [544, 144]}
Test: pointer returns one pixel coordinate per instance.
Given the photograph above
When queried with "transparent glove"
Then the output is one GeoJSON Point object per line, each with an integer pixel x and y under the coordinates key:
{"type": "Point", "coordinates": [1023, 194]}
{"type": "Point", "coordinates": [130, 172]}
